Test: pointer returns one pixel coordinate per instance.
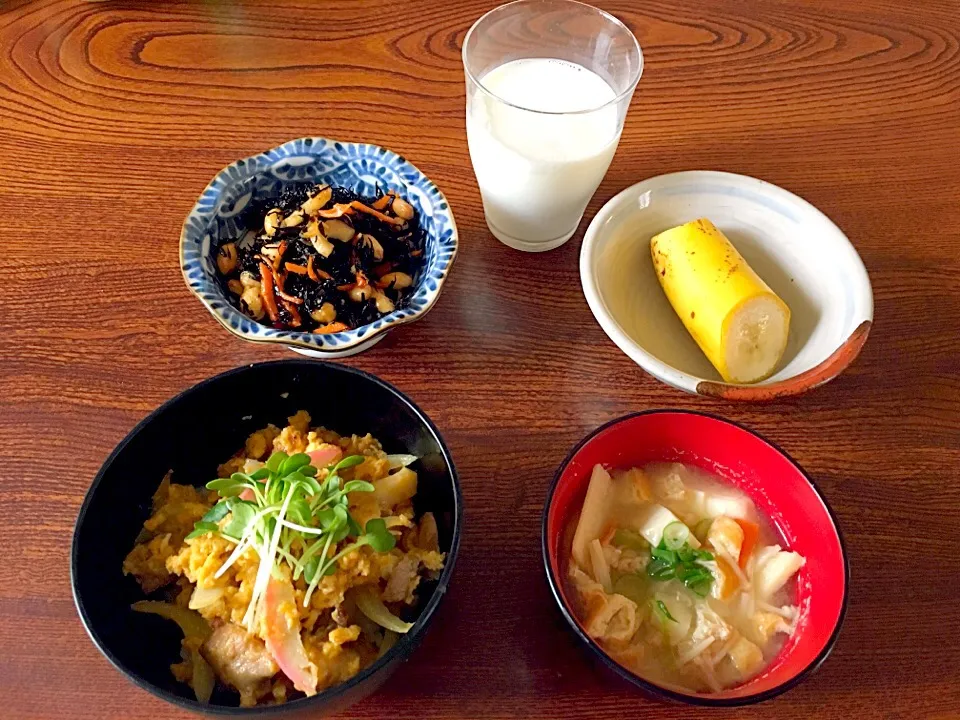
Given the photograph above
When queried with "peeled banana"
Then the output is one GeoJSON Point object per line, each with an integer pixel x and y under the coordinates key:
{"type": "Point", "coordinates": [736, 319]}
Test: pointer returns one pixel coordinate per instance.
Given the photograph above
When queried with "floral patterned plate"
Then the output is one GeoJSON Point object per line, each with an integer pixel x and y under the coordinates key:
{"type": "Point", "coordinates": [357, 166]}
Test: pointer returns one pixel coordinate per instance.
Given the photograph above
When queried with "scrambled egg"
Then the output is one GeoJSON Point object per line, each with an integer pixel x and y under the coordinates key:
{"type": "Point", "coordinates": [338, 648]}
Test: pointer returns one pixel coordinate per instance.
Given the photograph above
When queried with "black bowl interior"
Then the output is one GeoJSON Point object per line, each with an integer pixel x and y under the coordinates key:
{"type": "Point", "coordinates": [191, 435]}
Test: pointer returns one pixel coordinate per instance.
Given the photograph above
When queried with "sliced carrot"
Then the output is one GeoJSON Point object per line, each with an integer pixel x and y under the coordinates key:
{"type": "Point", "coordinates": [361, 279]}
{"type": "Point", "coordinates": [382, 202]}
{"type": "Point", "coordinates": [336, 211]}
{"type": "Point", "coordinates": [289, 298]}
{"type": "Point", "coordinates": [316, 274]}
{"type": "Point", "coordinates": [751, 531]}
{"type": "Point", "coordinates": [291, 308]}
{"type": "Point", "coordinates": [347, 287]}
{"type": "Point", "coordinates": [356, 204]}
{"type": "Point", "coordinates": [329, 328]}
{"type": "Point", "coordinates": [266, 291]}
{"type": "Point", "coordinates": [294, 268]}
{"type": "Point", "coordinates": [281, 249]}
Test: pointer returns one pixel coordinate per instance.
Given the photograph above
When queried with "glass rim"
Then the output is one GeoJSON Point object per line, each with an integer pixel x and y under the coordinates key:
{"type": "Point", "coordinates": [607, 16]}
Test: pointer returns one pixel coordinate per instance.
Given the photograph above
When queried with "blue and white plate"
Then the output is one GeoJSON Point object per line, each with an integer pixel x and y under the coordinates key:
{"type": "Point", "coordinates": [357, 166]}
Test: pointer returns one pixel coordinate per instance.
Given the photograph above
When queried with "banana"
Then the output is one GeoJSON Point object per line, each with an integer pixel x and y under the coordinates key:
{"type": "Point", "coordinates": [736, 319]}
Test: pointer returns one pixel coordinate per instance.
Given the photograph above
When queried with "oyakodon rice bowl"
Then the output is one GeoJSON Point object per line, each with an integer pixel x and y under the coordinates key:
{"type": "Point", "coordinates": [169, 581]}
{"type": "Point", "coordinates": [281, 572]}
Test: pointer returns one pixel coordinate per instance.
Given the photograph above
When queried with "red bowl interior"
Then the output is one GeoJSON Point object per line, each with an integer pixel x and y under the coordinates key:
{"type": "Point", "coordinates": [777, 486]}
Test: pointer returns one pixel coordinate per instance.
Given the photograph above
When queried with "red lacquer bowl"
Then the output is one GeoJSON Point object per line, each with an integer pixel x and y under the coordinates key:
{"type": "Point", "coordinates": [776, 484]}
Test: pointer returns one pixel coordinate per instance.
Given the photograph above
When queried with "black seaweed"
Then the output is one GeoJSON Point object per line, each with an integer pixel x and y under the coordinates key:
{"type": "Point", "coordinates": [403, 247]}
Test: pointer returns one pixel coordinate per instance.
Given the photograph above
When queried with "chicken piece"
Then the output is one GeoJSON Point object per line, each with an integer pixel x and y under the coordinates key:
{"type": "Point", "coordinates": [626, 561]}
{"type": "Point", "coordinates": [403, 580]}
{"type": "Point", "coordinates": [428, 535]}
{"type": "Point", "coordinates": [240, 660]}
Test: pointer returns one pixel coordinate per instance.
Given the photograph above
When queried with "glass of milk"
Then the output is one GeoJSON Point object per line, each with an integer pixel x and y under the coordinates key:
{"type": "Point", "coordinates": [548, 87]}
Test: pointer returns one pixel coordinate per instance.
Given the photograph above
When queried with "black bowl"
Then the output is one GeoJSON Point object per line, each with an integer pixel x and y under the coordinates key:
{"type": "Point", "coordinates": [191, 434]}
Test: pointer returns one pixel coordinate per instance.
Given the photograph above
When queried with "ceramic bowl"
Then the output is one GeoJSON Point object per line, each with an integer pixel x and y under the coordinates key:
{"type": "Point", "coordinates": [796, 249]}
{"type": "Point", "coordinates": [779, 488]}
{"type": "Point", "coordinates": [191, 434]}
{"type": "Point", "coordinates": [356, 166]}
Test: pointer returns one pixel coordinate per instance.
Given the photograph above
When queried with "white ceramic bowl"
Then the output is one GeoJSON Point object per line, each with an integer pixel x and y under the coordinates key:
{"type": "Point", "coordinates": [796, 249]}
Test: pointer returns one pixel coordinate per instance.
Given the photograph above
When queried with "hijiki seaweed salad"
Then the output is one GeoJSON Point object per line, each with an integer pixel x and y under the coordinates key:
{"type": "Point", "coordinates": [323, 259]}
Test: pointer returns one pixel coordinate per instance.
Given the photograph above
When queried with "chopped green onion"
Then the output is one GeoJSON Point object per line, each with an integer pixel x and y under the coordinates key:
{"type": "Point", "coordinates": [683, 563]}
{"type": "Point", "coordinates": [661, 608]}
{"type": "Point", "coordinates": [675, 535]}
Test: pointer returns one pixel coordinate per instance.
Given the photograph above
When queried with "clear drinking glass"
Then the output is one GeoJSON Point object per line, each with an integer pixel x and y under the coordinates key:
{"type": "Point", "coordinates": [548, 87]}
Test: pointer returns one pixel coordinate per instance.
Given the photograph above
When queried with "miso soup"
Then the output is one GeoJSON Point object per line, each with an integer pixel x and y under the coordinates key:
{"type": "Point", "coordinates": [679, 578]}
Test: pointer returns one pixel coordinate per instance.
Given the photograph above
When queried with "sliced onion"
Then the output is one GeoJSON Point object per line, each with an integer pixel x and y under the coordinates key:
{"type": "Point", "coordinates": [190, 622]}
{"type": "Point", "coordinates": [250, 466]}
{"type": "Point", "coordinates": [204, 597]}
{"type": "Point", "coordinates": [399, 461]}
{"type": "Point", "coordinates": [389, 640]}
{"type": "Point", "coordinates": [203, 678]}
{"type": "Point", "coordinates": [372, 606]}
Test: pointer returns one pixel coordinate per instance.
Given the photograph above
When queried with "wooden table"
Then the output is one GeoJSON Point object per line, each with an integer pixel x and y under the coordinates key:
{"type": "Point", "coordinates": [114, 115]}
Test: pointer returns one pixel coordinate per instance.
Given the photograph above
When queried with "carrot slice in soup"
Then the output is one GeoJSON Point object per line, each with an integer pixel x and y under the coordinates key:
{"type": "Point", "coordinates": [751, 532]}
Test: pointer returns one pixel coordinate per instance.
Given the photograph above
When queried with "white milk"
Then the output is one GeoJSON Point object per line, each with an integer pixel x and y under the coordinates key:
{"type": "Point", "coordinates": [538, 171]}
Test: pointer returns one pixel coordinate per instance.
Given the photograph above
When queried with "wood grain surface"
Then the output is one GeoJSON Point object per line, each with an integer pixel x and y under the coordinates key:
{"type": "Point", "coordinates": [114, 115]}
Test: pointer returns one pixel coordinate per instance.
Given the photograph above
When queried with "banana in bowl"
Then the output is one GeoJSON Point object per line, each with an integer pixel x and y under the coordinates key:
{"type": "Point", "coordinates": [748, 339]}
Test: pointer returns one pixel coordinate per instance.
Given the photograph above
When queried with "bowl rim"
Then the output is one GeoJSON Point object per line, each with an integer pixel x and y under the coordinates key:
{"type": "Point", "coordinates": [829, 368]}
{"type": "Point", "coordinates": [404, 646]}
{"type": "Point", "coordinates": [289, 337]}
{"type": "Point", "coordinates": [636, 680]}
